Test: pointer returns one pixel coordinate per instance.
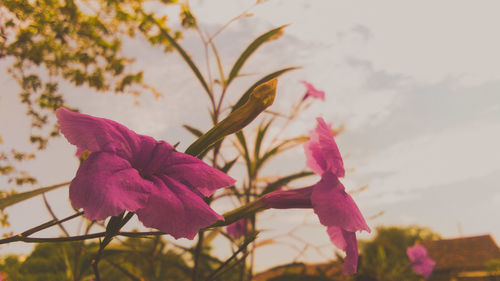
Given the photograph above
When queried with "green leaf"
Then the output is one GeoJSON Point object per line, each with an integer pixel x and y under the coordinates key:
{"type": "Point", "coordinates": [284, 181]}
{"type": "Point", "coordinates": [246, 155]}
{"type": "Point", "coordinates": [193, 130]}
{"type": "Point", "coordinates": [229, 165]}
{"type": "Point", "coordinates": [184, 55]}
{"type": "Point", "coordinates": [261, 98]}
{"type": "Point", "coordinates": [219, 64]}
{"type": "Point", "coordinates": [19, 197]}
{"type": "Point", "coordinates": [258, 139]}
{"type": "Point", "coordinates": [269, 77]}
{"type": "Point", "coordinates": [227, 265]}
{"type": "Point", "coordinates": [268, 36]}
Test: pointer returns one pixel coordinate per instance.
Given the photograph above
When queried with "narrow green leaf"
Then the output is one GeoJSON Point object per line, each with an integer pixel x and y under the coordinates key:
{"type": "Point", "coordinates": [269, 77]}
{"type": "Point", "coordinates": [193, 130]}
{"type": "Point", "coordinates": [19, 197]}
{"type": "Point", "coordinates": [240, 136]}
{"type": "Point", "coordinates": [219, 64]}
{"type": "Point", "coordinates": [284, 145]}
{"type": "Point", "coordinates": [227, 265]}
{"type": "Point", "coordinates": [284, 181]}
{"type": "Point", "coordinates": [261, 132]}
{"type": "Point", "coordinates": [184, 55]}
{"type": "Point", "coordinates": [229, 165]}
{"type": "Point", "coordinates": [268, 36]}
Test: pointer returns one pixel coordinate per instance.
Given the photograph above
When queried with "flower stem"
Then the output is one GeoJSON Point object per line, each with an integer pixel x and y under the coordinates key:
{"type": "Point", "coordinates": [22, 236]}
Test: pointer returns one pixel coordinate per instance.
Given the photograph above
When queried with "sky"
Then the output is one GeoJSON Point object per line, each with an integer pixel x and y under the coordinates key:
{"type": "Point", "coordinates": [416, 86]}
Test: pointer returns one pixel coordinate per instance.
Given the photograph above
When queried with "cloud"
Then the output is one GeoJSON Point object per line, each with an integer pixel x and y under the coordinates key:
{"type": "Point", "coordinates": [364, 31]}
{"type": "Point", "coordinates": [377, 79]}
{"type": "Point", "coordinates": [452, 155]}
{"type": "Point", "coordinates": [357, 33]}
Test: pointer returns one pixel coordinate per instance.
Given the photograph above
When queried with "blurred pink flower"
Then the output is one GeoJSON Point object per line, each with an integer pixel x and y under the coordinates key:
{"type": "Point", "coordinates": [420, 262]}
{"type": "Point", "coordinates": [237, 229]}
{"type": "Point", "coordinates": [334, 207]}
{"type": "Point", "coordinates": [128, 171]}
{"type": "Point", "coordinates": [312, 92]}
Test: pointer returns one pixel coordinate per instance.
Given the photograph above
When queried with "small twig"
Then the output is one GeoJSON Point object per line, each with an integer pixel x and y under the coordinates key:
{"type": "Point", "coordinates": [25, 234]}
{"type": "Point", "coordinates": [47, 205]}
{"type": "Point", "coordinates": [19, 238]}
{"type": "Point", "coordinates": [95, 262]}
{"type": "Point", "coordinates": [123, 270]}
{"type": "Point", "coordinates": [113, 227]}
{"type": "Point", "coordinates": [242, 248]}
{"type": "Point", "coordinates": [197, 254]}
{"type": "Point", "coordinates": [243, 14]}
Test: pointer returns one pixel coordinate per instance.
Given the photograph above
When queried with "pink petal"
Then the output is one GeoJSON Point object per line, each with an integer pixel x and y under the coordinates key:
{"type": "Point", "coordinates": [174, 209]}
{"type": "Point", "coordinates": [195, 173]}
{"type": "Point", "coordinates": [335, 207]}
{"type": "Point", "coordinates": [416, 252]}
{"type": "Point", "coordinates": [346, 241]}
{"type": "Point", "coordinates": [313, 92]}
{"type": "Point", "coordinates": [237, 229]}
{"type": "Point", "coordinates": [106, 185]}
{"type": "Point", "coordinates": [322, 153]}
{"type": "Point", "coordinates": [424, 267]}
{"type": "Point", "coordinates": [420, 262]}
{"type": "Point", "coordinates": [97, 134]}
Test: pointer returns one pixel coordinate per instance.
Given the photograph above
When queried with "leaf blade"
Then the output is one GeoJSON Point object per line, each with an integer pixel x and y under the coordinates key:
{"type": "Point", "coordinates": [196, 132]}
{"type": "Point", "coordinates": [266, 37]}
{"type": "Point", "coordinates": [184, 55]}
{"type": "Point", "coordinates": [19, 197]}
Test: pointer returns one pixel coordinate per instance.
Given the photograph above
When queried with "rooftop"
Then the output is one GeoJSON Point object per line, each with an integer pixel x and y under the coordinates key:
{"type": "Point", "coordinates": [462, 253]}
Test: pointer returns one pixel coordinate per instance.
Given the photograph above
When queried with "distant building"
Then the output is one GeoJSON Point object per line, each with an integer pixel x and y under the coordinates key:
{"type": "Point", "coordinates": [304, 272]}
{"type": "Point", "coordinates": [463, 259]}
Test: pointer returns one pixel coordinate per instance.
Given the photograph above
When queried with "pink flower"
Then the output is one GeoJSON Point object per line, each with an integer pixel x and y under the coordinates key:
{"type": "Point", "coordinates": [312, 92]}
{"type": "Point", "coordinates": [334, 207]}
{"type": "Point", "coordinates": [420, 262]}
{"type": "Point", "coordinates": [128, 171]}
{"type": "Point", "coordinates": [237, 229]}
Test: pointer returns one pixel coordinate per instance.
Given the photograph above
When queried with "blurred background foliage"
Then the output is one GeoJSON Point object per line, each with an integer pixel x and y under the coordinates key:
{"type": "Point", "coordinates": [381, 258]}
{"type": "Point", "coordinates": [384, 257]}
{"type": "Point", "coordinates": [130, 259]}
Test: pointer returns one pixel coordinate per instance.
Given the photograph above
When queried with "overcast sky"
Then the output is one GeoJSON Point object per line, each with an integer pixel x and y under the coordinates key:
{"type": "Point", "coordinates": [415, 84]}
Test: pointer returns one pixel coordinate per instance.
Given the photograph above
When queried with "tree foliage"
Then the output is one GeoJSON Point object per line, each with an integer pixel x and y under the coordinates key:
{"type": "Point", "coordinates": [384, 257]}
{"type": "Point", "coordinates": [46, 42]}
{"type": "Point", "coordinates": [133, 259]}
